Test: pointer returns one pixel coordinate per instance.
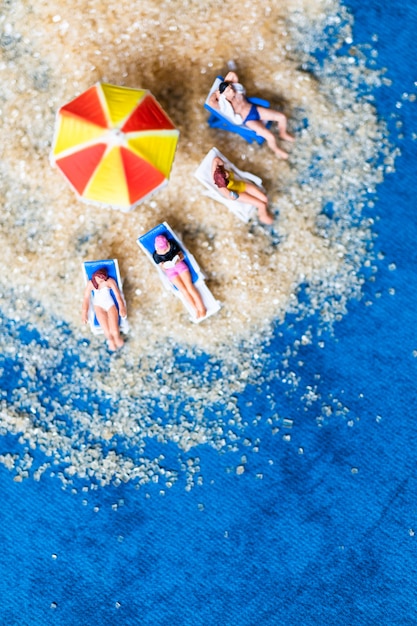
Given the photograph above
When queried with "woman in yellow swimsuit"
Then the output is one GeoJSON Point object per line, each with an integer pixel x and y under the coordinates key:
{"type": "Point", "coordinates": [230, 96]}
{"type": "Point", "coordinates": [240, 190]}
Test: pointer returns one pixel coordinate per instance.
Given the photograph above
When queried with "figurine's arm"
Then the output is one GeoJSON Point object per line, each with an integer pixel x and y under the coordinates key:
{"type": "Point", "coordinates": [114, 287]}
{"type": "Point", "coordinates": [179, 256]}
{"type": "Point", "coordinates": [179, 252]}
{"type": "Point", "coordinates": [86, 302]}
{"type": "Point", "coordinates": [231, 77]}
{"type": "Point", "coordinates": [214, 99]}
{"type": "Point", "coordinates": [216, 162]}
{"type": "Point", "coordinates": [160, 263]}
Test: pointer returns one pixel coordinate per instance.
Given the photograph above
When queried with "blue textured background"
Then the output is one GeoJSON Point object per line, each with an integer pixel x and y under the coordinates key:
{"type": "Point", "coordinates": [310, 543]}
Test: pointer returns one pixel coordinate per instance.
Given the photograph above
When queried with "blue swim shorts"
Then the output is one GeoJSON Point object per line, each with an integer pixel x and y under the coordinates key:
{"type": "Point", "coordinates": [252, 115]}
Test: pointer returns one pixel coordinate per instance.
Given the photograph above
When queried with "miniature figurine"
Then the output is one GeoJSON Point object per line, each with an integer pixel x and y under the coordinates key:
{"type": "Point", "coordinates": [171, 258]}
{"type": "Point", "coordinates": [230, 99]}
{"type": "Point", "coordinates": [240, 190]}
{"type": "Point", "coordinates": [104, 306]}
{"type": "Point", "coordinates": [196, 297]}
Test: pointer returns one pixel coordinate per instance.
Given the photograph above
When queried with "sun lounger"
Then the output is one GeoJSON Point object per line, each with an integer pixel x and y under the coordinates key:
{"type": "Point", "coordinates": [112, 266]}
{"type": "Point", "coordinates": [220, 121]}
{"type": "Point", "coordinates": [147, 243]}
{"type": "Point", "coordinates": [242, 210]}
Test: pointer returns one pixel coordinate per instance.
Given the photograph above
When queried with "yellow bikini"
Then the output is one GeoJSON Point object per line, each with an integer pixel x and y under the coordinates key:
{"type": "Point", "coordinates": [235, 185]}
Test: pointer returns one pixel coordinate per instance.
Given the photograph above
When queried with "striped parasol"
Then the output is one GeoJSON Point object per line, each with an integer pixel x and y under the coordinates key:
{"type": "Point", "coordinates": [115, 145]}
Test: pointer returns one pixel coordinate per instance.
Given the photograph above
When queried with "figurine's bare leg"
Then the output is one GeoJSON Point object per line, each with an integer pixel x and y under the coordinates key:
{"type": "Point", "coordinates": [114, 326]}
{"type": "Point", "coordinates": [269, 137]}
{"type": "Point", "coordinates": [185, 284]}
{"type": "Point", "coordinates": [253, 190]}
{"type": "Point", "coordinates": [260, 201]}
{"type": "Point", "coordinates": [194, 293]}
{"type": "Point", "coordinates": [270, 115]}
{"type": "Point", "coordinates": [109, 322]}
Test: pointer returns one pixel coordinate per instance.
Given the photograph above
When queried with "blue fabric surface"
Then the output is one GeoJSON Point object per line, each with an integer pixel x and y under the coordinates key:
{"type": "Point", "coordinates": [327, 535]}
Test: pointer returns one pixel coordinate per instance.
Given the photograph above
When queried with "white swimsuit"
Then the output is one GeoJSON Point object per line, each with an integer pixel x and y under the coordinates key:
{"type": "Point", "coordinates": [103, 298]}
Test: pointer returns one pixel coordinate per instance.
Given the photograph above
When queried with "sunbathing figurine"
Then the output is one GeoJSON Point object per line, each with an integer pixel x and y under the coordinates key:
{"type": "Point", "coordinates": [169, 255]}
{"type": "Point", "coordinates": [240, 190]}
{"type": "Point", "coordinates": [230, 99]}
{"type": "Point", "coordinates": [104, 306]}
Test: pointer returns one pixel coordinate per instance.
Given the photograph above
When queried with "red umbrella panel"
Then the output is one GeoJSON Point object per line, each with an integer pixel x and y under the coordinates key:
{"type": "Point", "coordinates": [115, 145]}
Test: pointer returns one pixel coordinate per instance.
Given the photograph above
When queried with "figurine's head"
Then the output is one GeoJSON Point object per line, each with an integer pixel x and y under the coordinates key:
{"type": "Point", "coordinates": [101, 273]}
{"type": "Point", "coordinates": [220, 176]}
{"type": "Point", "coordinates": [224, 85]}
{"type": "Point", "coordinates": [161, 244]}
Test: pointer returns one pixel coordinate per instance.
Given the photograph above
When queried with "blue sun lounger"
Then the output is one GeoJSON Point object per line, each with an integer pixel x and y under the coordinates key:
{"type": "Point", "coordinates": [112, 267]}
{"type": "Point", "coordinates": [220, 121]}
{"type": "Point", "coordinates": [147, 243]}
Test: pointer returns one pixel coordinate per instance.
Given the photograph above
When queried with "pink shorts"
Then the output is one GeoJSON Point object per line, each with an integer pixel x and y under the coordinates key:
{"type": "Point", "coordinates": [179, 268]}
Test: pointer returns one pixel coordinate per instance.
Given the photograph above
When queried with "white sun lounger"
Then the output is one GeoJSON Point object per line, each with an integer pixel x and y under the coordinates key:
{"type": "Point", "coordinates": [147, 243]}
{"type": "Point", "coordinates": [242, 210]}
{"type": "Point", "coordinates": [112, 267]}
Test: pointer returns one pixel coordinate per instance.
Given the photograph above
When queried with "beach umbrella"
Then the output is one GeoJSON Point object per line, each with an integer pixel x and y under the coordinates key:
{"type": "Point", "coordinates": [115, 145]}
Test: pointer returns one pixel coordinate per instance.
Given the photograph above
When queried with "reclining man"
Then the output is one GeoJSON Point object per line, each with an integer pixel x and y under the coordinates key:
{"type": "Point", "coordinates": [230, 99]}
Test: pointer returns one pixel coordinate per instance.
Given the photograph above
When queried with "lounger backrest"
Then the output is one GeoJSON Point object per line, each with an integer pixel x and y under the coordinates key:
{"type": "Point", "coordinates": [204, 170]}
{"type": "Point", "coordinates": [109, 264]}
{"type": "Point", "coordinates": [213, 88]}
{"type": "Point", "coordinates": [222, 115]}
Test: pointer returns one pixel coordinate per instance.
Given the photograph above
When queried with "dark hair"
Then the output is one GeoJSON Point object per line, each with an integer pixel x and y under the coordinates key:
{"type": "Point", "coordinates": [101, 273]}
{"type": "Point", "coordinates": [224, 85]}
{"type": "Point", "coordinates": [220, 176]}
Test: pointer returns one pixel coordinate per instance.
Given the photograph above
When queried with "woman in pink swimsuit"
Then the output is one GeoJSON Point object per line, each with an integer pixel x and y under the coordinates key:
{"type": "Point", "coordinates": [171, 258]}
{"type": "Point", "coordinates": [104, 306]}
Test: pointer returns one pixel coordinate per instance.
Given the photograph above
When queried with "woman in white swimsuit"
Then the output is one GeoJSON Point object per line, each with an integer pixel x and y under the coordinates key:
{"type": "Point", "coordinates": [104, 306]}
